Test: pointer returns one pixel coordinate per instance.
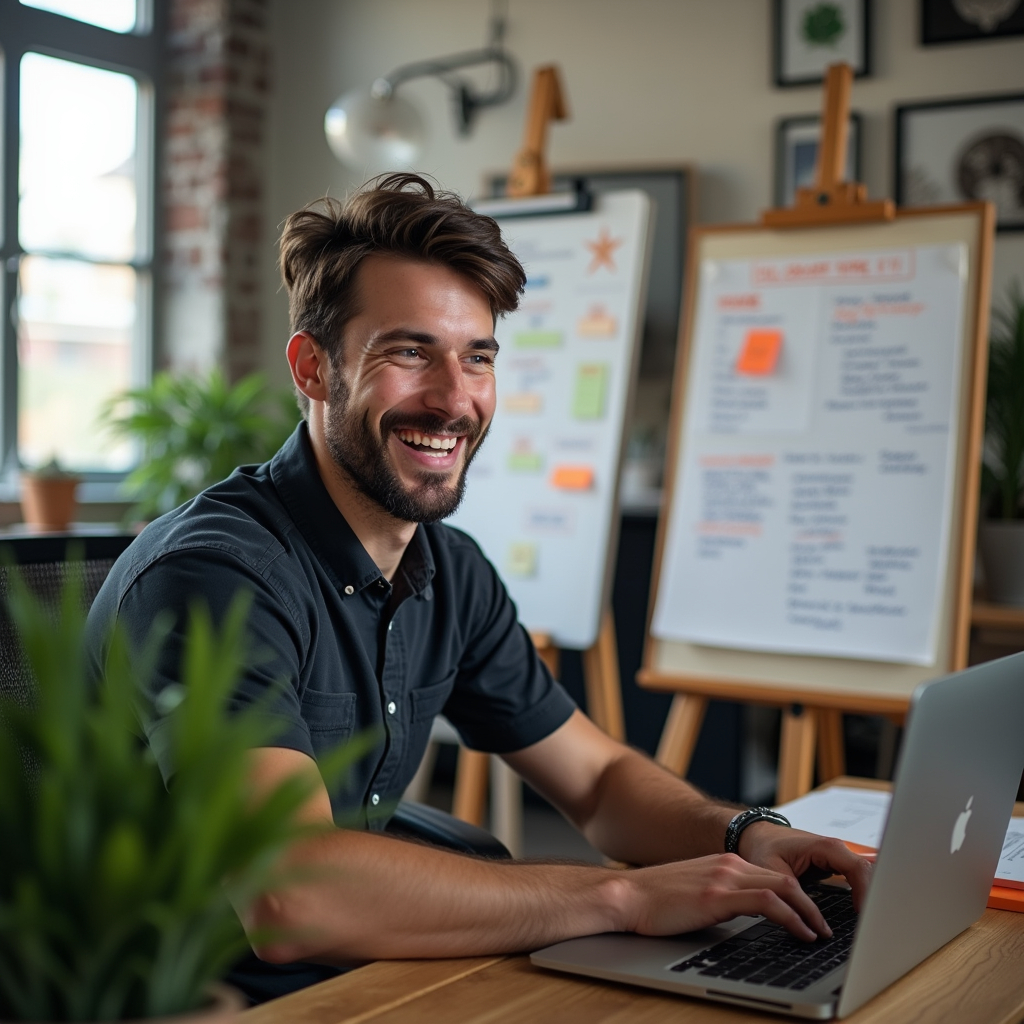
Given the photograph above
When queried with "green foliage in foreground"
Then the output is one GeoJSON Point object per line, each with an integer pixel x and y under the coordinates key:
{"type": "Point", "coordinates": [116, 893]}
{"type": "Point", "coordinates": [195, 431]}
{"type": "Point", "coordinates": [1003, 468]}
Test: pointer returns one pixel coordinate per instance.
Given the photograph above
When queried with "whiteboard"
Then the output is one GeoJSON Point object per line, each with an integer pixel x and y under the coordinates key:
{"type": "Point", "coordinates": [541, 496]}
{"type": "Point", "coordinates": [822, 478]}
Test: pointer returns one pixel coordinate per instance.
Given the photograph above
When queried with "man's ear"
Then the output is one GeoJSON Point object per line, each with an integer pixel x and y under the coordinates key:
{"type": "Point", "coordinates": [309, 365]}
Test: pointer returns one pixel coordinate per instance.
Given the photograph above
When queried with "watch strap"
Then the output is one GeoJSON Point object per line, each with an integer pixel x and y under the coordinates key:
{"type": "Point", "coordinates": [746, 818]}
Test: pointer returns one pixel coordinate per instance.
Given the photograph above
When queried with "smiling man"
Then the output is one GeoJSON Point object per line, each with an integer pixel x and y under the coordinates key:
{"type": "Point", "coordinates": [378, 617]}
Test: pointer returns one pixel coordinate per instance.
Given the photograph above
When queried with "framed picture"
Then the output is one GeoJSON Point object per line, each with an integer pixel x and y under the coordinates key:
{"type": "Point", "coordinates": [796, 154]}
{"type": "Point", "coordinates": [672, 191]}
{"type": "Point", "coordinates": [958, 21]}
{"type": "Point", "coordinates": [809, 35]}
{"type": "Point", "coordinates": [957, 150]}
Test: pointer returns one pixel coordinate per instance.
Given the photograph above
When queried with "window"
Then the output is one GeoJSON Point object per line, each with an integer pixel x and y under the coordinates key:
{"type": "Point", "coordinates": [76, 225]}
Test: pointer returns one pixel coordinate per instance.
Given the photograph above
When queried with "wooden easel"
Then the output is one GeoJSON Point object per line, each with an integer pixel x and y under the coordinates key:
{"type": "Point", "coordinates": [811, 722]}
{"type": "Point", "coordinates": [530, 176]}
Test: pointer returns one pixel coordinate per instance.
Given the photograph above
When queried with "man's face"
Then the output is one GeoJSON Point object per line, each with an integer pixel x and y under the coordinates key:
{"type": "Point", "coordinates": [412, 388]}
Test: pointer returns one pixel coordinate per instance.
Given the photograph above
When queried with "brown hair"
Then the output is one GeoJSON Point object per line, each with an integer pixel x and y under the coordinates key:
{"type": "Point", "coordinates": [401, 215]}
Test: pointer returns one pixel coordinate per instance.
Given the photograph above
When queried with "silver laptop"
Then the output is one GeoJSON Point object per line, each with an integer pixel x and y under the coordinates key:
{"type": "Point", "coordinates": [958, 773]}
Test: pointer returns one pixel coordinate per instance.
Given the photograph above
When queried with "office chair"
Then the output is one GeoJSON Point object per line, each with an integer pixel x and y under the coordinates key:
{"type": "Point", "coordinates": [43, 563]}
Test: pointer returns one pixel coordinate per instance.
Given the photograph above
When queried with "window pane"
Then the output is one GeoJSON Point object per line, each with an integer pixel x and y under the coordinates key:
{"type": "Point", "coordinates": [77, 167]}
{"type": "Point", "coordinates": [75, 327]}
{"type": "Point", "coordinates": [117, 15]}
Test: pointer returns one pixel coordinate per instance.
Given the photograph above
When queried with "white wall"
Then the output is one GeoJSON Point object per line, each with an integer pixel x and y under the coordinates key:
{"type": "Point", "coordinates": [648, 81]}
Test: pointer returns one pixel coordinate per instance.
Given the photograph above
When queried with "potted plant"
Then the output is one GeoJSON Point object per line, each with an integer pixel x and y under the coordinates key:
{"type": "Point", "coordinates": [48, 497]}
{"type": "Point", "coordinates": [193, 431]}
{"type": "Point", "coordinates": [117, 893]}
{"type": "Point", "coordinates": [1001, 532]}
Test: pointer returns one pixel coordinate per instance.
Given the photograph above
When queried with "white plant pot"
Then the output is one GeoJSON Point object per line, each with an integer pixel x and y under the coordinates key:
{"type": "Point", "coordinates": [1001, 544]}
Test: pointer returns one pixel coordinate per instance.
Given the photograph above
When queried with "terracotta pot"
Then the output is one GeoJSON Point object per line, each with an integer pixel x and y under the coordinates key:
{"type": "Point", "coordinates": [224, 1006]}
{"type": "Point", "coordinates": [1001, 545]}
{"type": "Point", "coordinates": [48, 502]}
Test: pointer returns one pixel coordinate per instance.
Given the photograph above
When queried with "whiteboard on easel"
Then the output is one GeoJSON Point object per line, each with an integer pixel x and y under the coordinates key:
{"type": "Point", "coordinates": [815, 534]}
{"type": "Point", "coordinates": [541, 496]}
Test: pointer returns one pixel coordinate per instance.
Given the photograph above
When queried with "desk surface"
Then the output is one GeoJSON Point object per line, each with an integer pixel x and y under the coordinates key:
{"type": "Point", "coordinates": [978, 977]}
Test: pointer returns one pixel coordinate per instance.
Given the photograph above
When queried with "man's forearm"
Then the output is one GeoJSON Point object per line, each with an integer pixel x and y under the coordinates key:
{"type": "Point", "coordinates": [367, 896]}
{"type": "Point", "coordinates": [642, 814]}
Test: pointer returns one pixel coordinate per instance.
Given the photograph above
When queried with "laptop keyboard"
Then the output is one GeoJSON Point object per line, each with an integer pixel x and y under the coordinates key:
{"type": "Point", "coordinates": [766, 954]}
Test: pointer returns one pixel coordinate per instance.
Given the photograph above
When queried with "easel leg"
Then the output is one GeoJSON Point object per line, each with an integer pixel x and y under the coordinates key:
{"type": "Point", "coordinates": [831, 755]}
{"type": "Point", "coordinates": [679, 737]}
{"type": "Point", "coordinates": [796, 753]}
{"type": "Point", "coordinates": [470, 786]}
{"type": "Point", "coordinates": [601, 678]}
{"type": "Point", "coordinates": [507, 806]}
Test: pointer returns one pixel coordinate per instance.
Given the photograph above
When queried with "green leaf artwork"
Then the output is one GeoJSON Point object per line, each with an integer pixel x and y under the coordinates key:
{"type": "Point", "coordinates": [823, 25]}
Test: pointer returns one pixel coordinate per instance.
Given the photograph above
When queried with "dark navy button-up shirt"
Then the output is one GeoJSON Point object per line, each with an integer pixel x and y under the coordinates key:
{"type": "Point", "coordinates": [356, 652]}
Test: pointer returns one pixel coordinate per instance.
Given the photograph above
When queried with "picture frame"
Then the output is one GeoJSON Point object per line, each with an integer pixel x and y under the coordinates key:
{"type": "Point", "coordinates": [961, 150]}
{"type": "Point", "coordinates": [950, 21]}
{"type": "Point", "coordinates": [810, 35]}
{"type": "Point", "coordinates": [796, 154]}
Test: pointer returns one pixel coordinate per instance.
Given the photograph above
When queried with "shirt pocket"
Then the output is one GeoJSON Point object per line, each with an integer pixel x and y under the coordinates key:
{"type": "Point", "coordinates": [330, 717]}
{"type": "Point", "coordinates": [428, 701]}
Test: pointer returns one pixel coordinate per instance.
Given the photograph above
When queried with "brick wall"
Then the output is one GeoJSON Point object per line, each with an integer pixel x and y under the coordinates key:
{"type": "Point", "coordinates": [218, 90]}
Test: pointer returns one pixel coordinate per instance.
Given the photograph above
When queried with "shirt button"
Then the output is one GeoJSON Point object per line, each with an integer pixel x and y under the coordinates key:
{"type": "Point", "coordinates": [350, 589]}
{"type": "Point", "coordinates": [375, 799]}
{"type": "Point", "coordinates": [390, 624]}
{"type": "Point", "coordinates": [392, 707]}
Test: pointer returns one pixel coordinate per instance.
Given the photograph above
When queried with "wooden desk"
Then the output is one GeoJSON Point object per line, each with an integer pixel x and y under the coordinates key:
{"type": "Point", "coordinates": [978, 977]}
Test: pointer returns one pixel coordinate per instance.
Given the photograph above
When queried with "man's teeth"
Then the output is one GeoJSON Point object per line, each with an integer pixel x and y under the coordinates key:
{"type": "Point", "coordinates": [442, 445]}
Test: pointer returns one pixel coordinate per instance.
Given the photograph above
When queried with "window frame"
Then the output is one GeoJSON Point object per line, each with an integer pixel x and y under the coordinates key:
{"type": "Point", "coordinates": [139, 54]}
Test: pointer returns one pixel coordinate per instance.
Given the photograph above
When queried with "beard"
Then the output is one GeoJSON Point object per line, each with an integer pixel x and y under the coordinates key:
{"type": "Point", "coordinates": [362, 455]}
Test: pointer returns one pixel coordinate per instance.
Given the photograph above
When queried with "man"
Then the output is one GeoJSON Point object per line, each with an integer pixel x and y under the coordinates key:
{"type": "Point", "coordinates": [377, 616]}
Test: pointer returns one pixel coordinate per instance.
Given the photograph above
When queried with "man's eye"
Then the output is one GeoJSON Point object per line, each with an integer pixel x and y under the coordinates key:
{"type": "Point", "coordinates": [409, 353]}
{"type": "Point", "coordinates": [480, 359]}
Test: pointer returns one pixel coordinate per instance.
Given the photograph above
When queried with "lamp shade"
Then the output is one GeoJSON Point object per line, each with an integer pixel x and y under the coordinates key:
{"type": "Point", "coordinates": [373, 135]}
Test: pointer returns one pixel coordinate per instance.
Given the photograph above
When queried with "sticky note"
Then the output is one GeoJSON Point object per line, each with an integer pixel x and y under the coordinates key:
{"type": "Point", "coordinates": [524, 402]}
{"type": "Point", "coordinates": [573, 478]}
{"type": "Point", "coordinates": [522, 559]}
{"type": "Point", "coordinates": [597, 322]}
{"type": "Point", "coordinates": [589, 393]}
{"type": "Point", "coordinates": [526, 462]}
{"type": "Point", "coordinates": [760, 353]}
{"type": "Point", "coordinates": [537, 339]}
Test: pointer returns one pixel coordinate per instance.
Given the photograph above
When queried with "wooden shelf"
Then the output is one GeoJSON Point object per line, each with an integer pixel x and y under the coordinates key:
{"type": "Point", "coordinates": [997, 616]}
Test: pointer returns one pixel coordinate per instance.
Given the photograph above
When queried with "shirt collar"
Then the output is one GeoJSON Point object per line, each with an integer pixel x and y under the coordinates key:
{"type": "Point", "coordinates": [295, 475]}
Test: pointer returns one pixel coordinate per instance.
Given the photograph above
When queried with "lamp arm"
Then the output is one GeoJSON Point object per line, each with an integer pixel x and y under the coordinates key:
{"type": "Point", "coordinates": [440, 67]}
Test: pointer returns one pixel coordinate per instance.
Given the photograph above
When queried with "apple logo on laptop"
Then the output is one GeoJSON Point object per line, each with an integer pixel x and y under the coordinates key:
{"type": "Point", "coordinates": [960, 828]}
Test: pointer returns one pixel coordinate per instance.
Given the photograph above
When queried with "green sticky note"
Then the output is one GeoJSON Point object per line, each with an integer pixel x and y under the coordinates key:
{"type": "Point", "coordinates": [591, 387]}
{"type": "Point", "coordinates": [526, 462]}
{"type": "Point", "coordinates": [538, 339]}
{"type": "Point", "coordinates": [522, 559]}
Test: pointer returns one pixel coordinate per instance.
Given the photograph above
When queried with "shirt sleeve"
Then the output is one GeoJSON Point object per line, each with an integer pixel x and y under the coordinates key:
{"type": "Point", "coordinates": [172, 587]}
{"type": "Point", "coordinates": [504, 697]}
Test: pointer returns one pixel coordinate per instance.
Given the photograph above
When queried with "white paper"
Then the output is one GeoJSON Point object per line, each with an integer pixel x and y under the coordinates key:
{"type": "Point", "coordinates": [813, 504]}
{"type": "Point", "coordinates": [853, 815]}
{"type": "Point", "coordinates": [1011, 861]}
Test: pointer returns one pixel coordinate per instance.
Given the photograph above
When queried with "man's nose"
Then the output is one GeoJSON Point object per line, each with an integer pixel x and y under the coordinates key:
{"type": "Point", "coordinates": [446, 391]}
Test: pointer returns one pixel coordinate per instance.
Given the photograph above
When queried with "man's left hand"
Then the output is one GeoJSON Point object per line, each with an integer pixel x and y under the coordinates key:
{"type": "Point", "coordinates": [790, 851]}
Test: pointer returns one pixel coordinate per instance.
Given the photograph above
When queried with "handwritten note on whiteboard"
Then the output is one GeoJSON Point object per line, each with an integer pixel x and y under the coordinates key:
{"type": "Point", "coordinates": [812, 507]}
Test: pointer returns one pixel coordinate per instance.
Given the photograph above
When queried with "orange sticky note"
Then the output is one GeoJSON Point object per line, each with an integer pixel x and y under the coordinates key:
{"type": "Point", "coordinates": [573, 478]}
{"type": "Point", "coordinates": [760, 353]}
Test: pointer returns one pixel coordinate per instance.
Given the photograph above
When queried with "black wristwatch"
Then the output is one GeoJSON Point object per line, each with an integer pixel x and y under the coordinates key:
{"type": "Point", "coordinates": [748, 817]}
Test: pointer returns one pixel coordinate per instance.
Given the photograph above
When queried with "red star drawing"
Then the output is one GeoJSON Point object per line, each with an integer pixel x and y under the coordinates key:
{"type": "Point", "coordinates": [602, 250]}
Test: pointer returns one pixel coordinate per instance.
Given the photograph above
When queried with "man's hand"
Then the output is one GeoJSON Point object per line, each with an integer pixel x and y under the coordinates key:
{"type": "Point", "coordinates": [686, 895]}
{"type": "Point", "coordinates": [792, 852]}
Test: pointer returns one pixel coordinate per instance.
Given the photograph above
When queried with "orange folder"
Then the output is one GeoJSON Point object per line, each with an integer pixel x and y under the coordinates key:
{"type": "Point", "coordinates": [760, 353]}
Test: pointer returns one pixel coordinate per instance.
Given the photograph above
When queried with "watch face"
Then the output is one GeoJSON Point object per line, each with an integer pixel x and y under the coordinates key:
{"type": "Point", "coordinates": [991, 167]}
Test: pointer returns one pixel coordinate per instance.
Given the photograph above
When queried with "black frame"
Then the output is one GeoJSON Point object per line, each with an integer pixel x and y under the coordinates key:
{"type": "Point", "coordinates": [778, 57]}
{"type": "Point", "coordinates": [905, 110]}
{"type": "Point", "coordinates": [940, 23]}
{"type": "Point", "coordinates": [139, 54]}
{"type": "Point", "coordinates": [855, 143]}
